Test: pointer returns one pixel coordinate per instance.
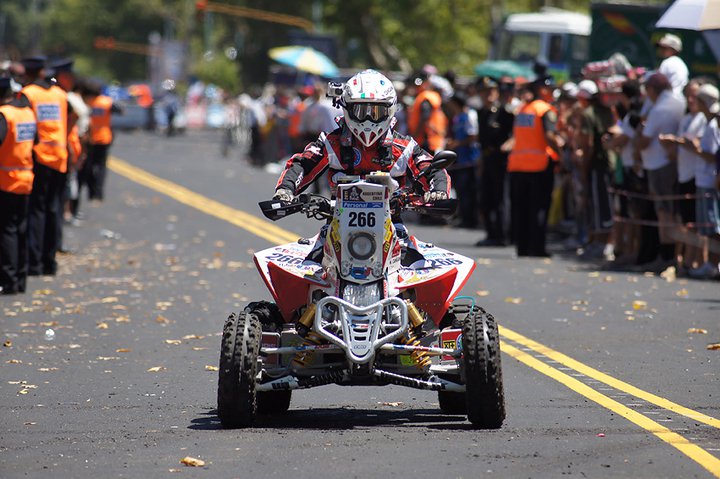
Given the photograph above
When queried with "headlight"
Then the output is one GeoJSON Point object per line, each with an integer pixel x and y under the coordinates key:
{"type": "Point", "coordinates": [362, 245]}
{"type": "Point", "coordinates": [361, 294]}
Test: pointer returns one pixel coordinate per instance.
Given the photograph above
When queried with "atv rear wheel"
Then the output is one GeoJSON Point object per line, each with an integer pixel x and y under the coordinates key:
{"type": "Point", "coordinates": [452, 402]}
{"type": "Point", "coordinates": [484, 393]}
{"type": "Point", "coordinates": [237, 398]}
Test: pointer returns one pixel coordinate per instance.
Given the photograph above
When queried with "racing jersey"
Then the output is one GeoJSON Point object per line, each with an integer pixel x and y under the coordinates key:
{"type": "Point", "coordinates": [338, 151]}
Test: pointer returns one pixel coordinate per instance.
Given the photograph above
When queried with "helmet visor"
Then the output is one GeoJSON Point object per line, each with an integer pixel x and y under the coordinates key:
{"type": "Point", "coordinates": [375, 112]}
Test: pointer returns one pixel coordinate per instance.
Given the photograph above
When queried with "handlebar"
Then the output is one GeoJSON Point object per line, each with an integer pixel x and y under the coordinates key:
{"type": "Point", "coordinates": [321, 208]}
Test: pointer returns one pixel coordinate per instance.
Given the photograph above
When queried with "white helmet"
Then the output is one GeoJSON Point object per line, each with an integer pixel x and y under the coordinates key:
{"type": "Point", "coordinates": [369, 103]}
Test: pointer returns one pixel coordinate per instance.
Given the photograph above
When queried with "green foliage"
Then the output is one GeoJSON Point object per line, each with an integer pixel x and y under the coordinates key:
{"type": "Point", "coordinates": [395, 35]}
{"type": "Point", "coordinates": [219, 71]}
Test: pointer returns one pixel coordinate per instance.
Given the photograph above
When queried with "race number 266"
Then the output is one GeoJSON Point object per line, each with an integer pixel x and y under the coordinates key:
{"type": "Point", "coordinates": [362, 219]}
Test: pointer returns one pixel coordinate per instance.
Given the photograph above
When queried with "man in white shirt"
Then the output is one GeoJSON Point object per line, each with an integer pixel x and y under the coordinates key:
{"type": "Point", "coordinates": [663, 118]}
{"type": "Point", "coordinates": [672, 66]}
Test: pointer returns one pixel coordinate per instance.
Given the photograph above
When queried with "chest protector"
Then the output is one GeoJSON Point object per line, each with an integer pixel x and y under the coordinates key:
{"type": "Point", "coordinates": [531, 152]}
{"type": "Point", "coordinates": [16, 161]}
{"type": "Point", "coordinates": [50, 107]}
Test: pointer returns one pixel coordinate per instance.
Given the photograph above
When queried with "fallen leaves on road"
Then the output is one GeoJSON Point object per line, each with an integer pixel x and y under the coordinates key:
{"type": "Point", "coordinates": [639, 305]}
{"type": "Point", "coordinates": [109, 299]}
{"type": "Point", "coordinates": [162, 319]}
{"type": "Point", "coordinates": [392, 404]}
{"type": "Point", "coordinates": [123, 350]}
{"type": "Point", "coordinates": [697, 331]}
{"type": "Point", "coordinates": [43, 292]}
{"type": "Point", "coordinates": [211, 368]}
{"type": "Point", "coordinates": [683, 293]}
{"type": "Point", "coordinates": [192, 461]}
{"type": "Point", "coordinates": [512, 300]}
{"type": "Point", "coordinates": [13, 361]}
{"type": "Point", "coordinates": [156, 369]}
{"type": "Point", "coordinates": [102, 325]}
{"type": "Point", "coordinates": [669, 274]}
{"type": "Point", "coordinates": [192, 336]}
{"type": "Point", "coordinates": [713, 347]}
{"type": "Point", "coordinates": [173, 341]}
{"type": "Point", "coordinates": [483, 292]}
{"type": "Point", "coordinates": [7, 343]}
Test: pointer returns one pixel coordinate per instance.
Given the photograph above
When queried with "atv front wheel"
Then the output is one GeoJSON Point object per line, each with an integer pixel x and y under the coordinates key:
{"type": "Point", "coordinates": [273, 402]}
{"type": "Point", "coordinates": [484, 393]}
{"type": "Point", "coordinates": [240, 347]}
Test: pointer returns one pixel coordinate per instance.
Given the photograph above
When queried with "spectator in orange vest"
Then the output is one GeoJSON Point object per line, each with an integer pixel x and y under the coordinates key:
{"type": "Point", "coordinates": [18, 133]}
{"type": "Point", "coordinates": [50, 154]}
{"type": "Point", "coordinates": [426, 121]}
{"type": "Point", "coordinates": [530, 166]}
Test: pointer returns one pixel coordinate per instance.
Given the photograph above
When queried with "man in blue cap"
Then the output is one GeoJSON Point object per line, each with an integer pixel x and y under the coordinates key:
{"type": "Point", "coordinates": [79, 120]}
{"type": "Point", "coordinates": [50, 155]}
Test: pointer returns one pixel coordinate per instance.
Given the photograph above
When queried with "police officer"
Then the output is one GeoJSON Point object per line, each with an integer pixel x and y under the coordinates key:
{"type": "Point", "coordinates": [495, 124]}
{"type": "Point", "coordinates": [530, 165]}
{"type": "Point", "coordinates": [100, 138]}
{"type": "Point", "coordinates": [18, 130]}
{"type": "Point", "coordinates": [50, 155]}
{"type": "Point", "coordinates": [427, 122]}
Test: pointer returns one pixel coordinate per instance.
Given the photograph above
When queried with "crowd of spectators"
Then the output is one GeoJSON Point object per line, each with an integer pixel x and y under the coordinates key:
{"type": "Point", "coordinates": [636, 176]}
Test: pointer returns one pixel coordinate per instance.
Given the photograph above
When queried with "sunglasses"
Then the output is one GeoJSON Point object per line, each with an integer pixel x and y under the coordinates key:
{"type": "Point", "coordinates": [374, 112]}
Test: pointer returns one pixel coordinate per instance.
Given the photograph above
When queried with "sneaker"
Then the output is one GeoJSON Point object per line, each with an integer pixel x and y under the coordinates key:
{"type": "Point", "coordinates": [592, 251]}
{"type": "Point", "coordinates": [704, 271]}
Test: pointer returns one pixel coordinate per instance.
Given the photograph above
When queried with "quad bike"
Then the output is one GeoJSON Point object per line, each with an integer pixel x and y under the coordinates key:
{"type": "Point", "coordinates": [379, 308]}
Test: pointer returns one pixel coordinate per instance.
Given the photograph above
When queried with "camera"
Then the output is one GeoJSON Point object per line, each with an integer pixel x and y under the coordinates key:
{"type": "Point", "coordinates": [334, 90]}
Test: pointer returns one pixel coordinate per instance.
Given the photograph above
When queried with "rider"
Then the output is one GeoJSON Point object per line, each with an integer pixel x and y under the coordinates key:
{"type": "Point", "coordinates": [363, 142]}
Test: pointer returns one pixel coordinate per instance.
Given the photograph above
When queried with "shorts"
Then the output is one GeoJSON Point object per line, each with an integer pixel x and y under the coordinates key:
{"type": "Point", "coordinates": [661, 183]}
{"type": "Point", "coordinates": [686, 207]}
{"type": "Point", "coordinates": [707, 211]}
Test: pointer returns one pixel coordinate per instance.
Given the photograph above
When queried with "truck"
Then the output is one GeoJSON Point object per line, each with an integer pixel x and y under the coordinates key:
{"type": "Point", "coordinates": [565, 41]}
{"type": "Point", "coordinates": [629, 28]}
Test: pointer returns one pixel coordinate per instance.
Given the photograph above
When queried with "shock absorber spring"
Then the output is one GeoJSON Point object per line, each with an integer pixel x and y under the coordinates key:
{"type": "Point", "coordinates": [421, 358]}
{"type": "Point", "coordinates": [305, 358]}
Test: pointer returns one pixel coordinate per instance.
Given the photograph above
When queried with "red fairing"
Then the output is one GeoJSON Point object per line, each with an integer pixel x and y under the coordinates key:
{"type": "Point", "coordinates": [294, 290]}
{"type": "Point", "coordinates": [433, 296]}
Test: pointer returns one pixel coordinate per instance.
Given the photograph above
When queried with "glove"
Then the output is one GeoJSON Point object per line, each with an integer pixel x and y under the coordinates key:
{"type": "Point", "coordinates": [283, 194]}
{"type": "Point", "coordinates": [433, 196]}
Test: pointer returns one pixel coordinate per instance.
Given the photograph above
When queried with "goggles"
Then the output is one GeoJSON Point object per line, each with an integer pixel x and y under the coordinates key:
{"type": "Point", "coordinates": [375, 112]}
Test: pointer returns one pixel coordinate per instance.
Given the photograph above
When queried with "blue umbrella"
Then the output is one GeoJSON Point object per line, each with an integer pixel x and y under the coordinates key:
{"type": "Point", "coordinates": [306, 59]}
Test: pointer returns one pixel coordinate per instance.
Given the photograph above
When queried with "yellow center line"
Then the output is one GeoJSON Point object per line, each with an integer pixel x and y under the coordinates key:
{"type": "Point", "coordinates": [609, 380]}
{"type": "Point", "coordinates": [253, 224]}
{"type": "Point", "coordinates": [276, 235]}
{"type": "Point", "coordinates": [693, 451]}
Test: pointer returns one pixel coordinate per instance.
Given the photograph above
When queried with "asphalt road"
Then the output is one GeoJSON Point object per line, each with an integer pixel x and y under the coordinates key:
{"type": "Point", "coordinates": [602, 376]}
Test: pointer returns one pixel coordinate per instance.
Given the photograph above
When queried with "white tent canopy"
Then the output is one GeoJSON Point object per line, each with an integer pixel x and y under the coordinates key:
{"type": "Point", "coordinates": [692, 15]}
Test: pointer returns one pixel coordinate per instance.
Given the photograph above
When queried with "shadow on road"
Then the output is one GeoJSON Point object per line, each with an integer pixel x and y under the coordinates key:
{"type": "Point", "coordinates": [344, 418]}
